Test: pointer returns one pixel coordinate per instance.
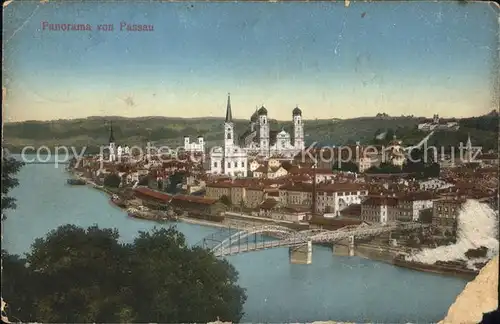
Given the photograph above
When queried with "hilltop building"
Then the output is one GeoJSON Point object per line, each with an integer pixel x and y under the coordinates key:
{"type": "Point", "coordinates": [435, 124]}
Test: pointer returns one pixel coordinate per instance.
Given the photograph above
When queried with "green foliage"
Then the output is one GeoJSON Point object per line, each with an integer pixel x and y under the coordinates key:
{"type": "Point", "coordinates": [425, 216]}
{"type": "Point", "coordinates": [346, 167]}
{"type": "Point", "coordinates": [112, 180]}
{"type": "Point", "coordinates": [143, 180]}
{"type": "Point", "coordinates": [76, 275]}
{"type": "Point", "coordinates": [225, 200]}
{"type": "Point", "coordinates": [10, 167]}
{"type": "Point", "coordinates": [422, 164]}
{"type": "Point", "coordinates": [384, 168]}
{"type": "Point", "coordinates": [174, 180]}
{"type": "Point", "coordinates": [92, 132]}
{"type": "Point", "coordinates": [487, 122]}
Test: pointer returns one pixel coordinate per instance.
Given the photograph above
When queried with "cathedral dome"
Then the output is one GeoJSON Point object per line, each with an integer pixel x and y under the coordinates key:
{"type": "Point", "coordinates": [262, 111]}
{"type": "Point", "coordinates": [297, 112]}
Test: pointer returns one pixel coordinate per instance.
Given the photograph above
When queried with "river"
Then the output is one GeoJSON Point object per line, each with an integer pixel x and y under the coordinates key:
{"type": "Point", "coordinates": [331, 288]}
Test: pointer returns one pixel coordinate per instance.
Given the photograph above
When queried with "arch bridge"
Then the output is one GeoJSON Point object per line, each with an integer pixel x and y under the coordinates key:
{"type": "Point", "coordinates": [252, 238]}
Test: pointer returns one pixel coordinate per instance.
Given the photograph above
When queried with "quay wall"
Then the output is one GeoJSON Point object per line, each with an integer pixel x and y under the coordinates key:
{"type": "Point", "coordinates": [377, 253]}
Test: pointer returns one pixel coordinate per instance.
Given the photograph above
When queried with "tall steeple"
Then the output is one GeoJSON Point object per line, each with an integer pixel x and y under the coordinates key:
{"type": "Point", "coordinates": [468, 146]}
{"type": "Point", "coordinates": [111, 136]}
{"type": "Point", "coordinates": [229, 115]}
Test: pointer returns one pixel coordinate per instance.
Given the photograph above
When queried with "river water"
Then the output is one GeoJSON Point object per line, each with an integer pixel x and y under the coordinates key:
{"type": "Point", "coordinates": [331, 288]}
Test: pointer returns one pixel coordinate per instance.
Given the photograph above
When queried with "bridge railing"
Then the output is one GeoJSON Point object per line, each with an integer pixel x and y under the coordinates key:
{"type": "Point", "coordinates": [289, 237]}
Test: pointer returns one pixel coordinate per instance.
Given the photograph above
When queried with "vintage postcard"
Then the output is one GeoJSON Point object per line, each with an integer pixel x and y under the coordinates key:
{"type": "Point", "coordinates": [249, 162]}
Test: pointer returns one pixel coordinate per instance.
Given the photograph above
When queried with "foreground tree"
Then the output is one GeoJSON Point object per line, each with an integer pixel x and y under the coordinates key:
{"type": "Point", "coordinates": [112, 180]}
{"type": "Point", "coordinates": [76, 275]}
{"type": "Point", "coordinates": [10, 167]}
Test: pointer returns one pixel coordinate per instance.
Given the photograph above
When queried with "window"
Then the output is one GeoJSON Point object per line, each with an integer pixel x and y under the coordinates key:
{"type": "Point", "coordinates": [228, 134]}
{"type": "Point", "coordinates": [235, 164]}
{"type": "Point", "coordinates": [228, 165]}
{"type": "Point", "coordinates": [215, 164]}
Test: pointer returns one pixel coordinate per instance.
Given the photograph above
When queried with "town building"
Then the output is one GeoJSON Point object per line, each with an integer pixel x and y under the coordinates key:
{"type": "Point", "coordinates": [394, 153]}
{"type": "Point", "coordinates": [410, 205]}
{"type": "Point", "coordinates": [445, 215]}
{"type": "Point", "coordinates": [198, 146]}
{"type": "Point", "coordinates": [333, 198]}
{"type": "Point", "coordinates": [379, 209]}
{"type": "Point", "coordinates": [434, 184]}
{"type": "Point", "coordinates": [268, 169]}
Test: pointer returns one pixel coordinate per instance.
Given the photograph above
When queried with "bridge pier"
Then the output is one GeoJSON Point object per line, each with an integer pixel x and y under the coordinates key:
{"type": "Point", "coordinates": [344, 247]}
{"type": "Point", "coordinates": [301, 254]}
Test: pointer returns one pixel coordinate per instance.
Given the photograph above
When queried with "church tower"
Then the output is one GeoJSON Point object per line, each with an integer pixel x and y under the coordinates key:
{"type": "Point", "coordinates": [263, 131]}
{"type": "Point", "coordinates": [228, 126]}
{"type": "Point", "coordinates": [468, 150]}
{"type": "Point", "coordinates": [298, 129]}
{"type": "Point", "coordinates": [112, 144]}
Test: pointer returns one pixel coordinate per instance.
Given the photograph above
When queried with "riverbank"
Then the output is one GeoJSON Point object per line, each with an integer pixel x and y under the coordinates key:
{"type": "Point", "coordinates": [442, 269]}
{"type": "Point", "coordinates": [241, 221]}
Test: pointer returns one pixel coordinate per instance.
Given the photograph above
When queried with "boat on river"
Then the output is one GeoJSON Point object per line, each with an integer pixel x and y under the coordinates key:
{"type": "Point", "coordinates": [118, 201]}
{"type": "Point", "coordinates": [145, 213]}
{"type": "Point", "coordinates": [457, 268]}
{"type": "Point", "coordinates": [76, 182]}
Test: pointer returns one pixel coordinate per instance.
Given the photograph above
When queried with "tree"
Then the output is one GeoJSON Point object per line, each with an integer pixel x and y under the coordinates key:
{"type": "Point", "coordinates": [86, 275]}
{"type": "Point", "coordinates": [143, 180]}
{"type": "Point", "coordinates": [348, 166]}
{"type": "Point", "coordinates": [173, 181]}
{"type": "Point", "coordinates": [225, 200]}
{"type": "Point", "coordinates": [10, 167]}
{"type": "Point", "coordinates": [112, 180]}
{"type": "Point", "coordinates": [425, 216]}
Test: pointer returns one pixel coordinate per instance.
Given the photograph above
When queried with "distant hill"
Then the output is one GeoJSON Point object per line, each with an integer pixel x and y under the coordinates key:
{"type": "Point", "coordinates": [93, 131]}
{"type": "Point", "coordinates": [483, 131]}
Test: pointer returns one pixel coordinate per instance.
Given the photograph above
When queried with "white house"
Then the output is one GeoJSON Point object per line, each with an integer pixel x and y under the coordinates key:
{"type": "Point", "coordinates": [333, 198]}
{"type": "Point", "coordinates": [194, 147]}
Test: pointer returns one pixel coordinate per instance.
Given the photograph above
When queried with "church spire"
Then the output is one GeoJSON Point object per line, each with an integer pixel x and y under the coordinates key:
{"type": "Point", "coordinates": [111, 136]}
{"type": "Point", "coordinates": [468, 146]}
{"type": "Point", "coordinates": [229, 115]}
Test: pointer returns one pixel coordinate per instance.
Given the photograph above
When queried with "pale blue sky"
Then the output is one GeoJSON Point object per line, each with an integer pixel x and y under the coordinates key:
{"type": "Point", "coordinates": [334, 62]}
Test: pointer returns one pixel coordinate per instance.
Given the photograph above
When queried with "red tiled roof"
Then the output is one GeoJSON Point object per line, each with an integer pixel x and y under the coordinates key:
{"type": "Point", "coordinates": [274, 193]}
{"type": "Point", "coordinates": [380, 201]}
{"type": "Point", "coordinates": [194, 199]}
{"type": "Point", "coordinates": [269, 203]}
{"type": "Point", "coordinates": [418, 195]}
{"type": "Point", "coordinates": [337, 223]}
{"type": "Point", "coordinates": [340, 187]}
{"type": "Point", "coordinates": [219, 185]}
{"type": "Point", "coordinates": [153, 194]}
{"type": "Point", "coordinates": [352, 210]}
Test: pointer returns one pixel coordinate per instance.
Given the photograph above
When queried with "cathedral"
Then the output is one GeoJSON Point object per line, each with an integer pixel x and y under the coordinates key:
{"type": "Point", "coordinates": [257, 140]}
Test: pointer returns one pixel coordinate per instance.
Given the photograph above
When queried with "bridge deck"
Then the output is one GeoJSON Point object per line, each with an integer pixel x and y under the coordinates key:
{"type": "Point", "coordinates": [239, 242]}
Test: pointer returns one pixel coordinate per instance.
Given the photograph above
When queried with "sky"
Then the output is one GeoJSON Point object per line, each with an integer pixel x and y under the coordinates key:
{"type": "Point", "coordinates": [411, 58]}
